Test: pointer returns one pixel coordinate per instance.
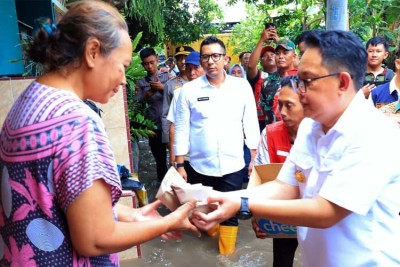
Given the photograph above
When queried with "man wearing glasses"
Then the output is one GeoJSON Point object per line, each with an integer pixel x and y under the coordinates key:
{"type": "Point", "coordinates": [215, 115]}
{"type": "Point", "coordinates": [340, 183]}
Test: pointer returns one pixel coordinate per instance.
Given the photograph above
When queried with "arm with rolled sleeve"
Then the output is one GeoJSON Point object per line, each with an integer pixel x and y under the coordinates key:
{"type": "Point", "coordinates": [262, 156]}
{"type": "Point", "coordinates": [250, 119]}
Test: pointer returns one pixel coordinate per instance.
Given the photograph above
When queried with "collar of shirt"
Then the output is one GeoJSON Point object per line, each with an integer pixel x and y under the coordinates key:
{"type": "Point", "coordinates": [397, 107]}
{"type": "Point", "coordinates": [351, 114]}
{"type": "Point", "coordinates": [392, 85]}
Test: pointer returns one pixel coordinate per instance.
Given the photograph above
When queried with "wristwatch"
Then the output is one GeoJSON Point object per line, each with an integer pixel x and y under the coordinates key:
{"type": "Point", "coordinates": [244, 212]}
{"type": "Point", "coordinates": [179, 165]}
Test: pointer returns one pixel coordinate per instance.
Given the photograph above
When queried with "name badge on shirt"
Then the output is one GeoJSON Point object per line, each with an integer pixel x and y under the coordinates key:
{"type": "Point", "coordinates": [205, 98]}
{"type": "Point", "coordinates": [282, 153]}
{"type": "Point", "coordinates": [264, 75]}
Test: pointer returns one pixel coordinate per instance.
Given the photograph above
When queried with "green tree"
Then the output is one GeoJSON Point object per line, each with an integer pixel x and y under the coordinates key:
{"type": "Point", "coordinates": [367, 18]}
{"type": "Point", "coordinates": [139, 125]}
{"type": "Point", "coordinates": [170, 20]}
{"type": "Point", "coordinates": [182, 27]}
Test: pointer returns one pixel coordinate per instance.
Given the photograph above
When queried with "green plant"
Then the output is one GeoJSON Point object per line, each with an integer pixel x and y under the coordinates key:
{"type": "Point", "coordinates": [31, 68]}
{"type": "Point", "coordinates": [139, 126]}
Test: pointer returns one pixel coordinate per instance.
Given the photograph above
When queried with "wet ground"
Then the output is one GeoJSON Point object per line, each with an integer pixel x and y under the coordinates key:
{"type": "Point", "coordinates": [193, 251]}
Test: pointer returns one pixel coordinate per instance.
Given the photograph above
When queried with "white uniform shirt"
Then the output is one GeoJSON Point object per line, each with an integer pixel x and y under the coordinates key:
{"type": "Point", "coordinates": [172, 108]}
{"type": "Point", "coordinates": [211, 123]}
{"type": "Point", "coordinates": [262, 156]}
{"type": "Point", "coordinates": [356, 167]}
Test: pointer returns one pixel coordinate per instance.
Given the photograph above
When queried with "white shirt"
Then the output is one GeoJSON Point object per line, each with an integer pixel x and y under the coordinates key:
{"type": "Point", "coordinates": [262, 156]}
{"type": "Point", "coordinates": [354, 166]}
{"type": "Point", "coordinates": [172, 108]}
{"type": "Point", "coordinates": [211, 123]}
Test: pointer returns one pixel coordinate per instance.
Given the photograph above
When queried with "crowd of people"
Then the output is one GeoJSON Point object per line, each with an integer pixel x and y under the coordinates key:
{"type": "Point", "coordinates": [318, 107]}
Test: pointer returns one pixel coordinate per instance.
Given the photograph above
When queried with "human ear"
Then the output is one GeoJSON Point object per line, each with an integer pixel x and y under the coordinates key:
{"type": "Point", "coordinates": [92, 51]}
{"type": "Point", "coordinates": [386, 55]}
{"type": "Point", "coordinates": [397, 64]}
{"type": "Point", "coordinates": [345, 81]}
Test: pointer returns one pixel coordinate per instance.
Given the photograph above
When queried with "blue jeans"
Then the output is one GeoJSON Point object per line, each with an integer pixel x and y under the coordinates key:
{"type": "Point", "coordinates": [226, 183]}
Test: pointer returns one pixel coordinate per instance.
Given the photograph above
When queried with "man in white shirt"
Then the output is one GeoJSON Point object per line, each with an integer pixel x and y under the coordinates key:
{"type": "Point", "coordinates": [215, 114]}
{"type": "Point", "coordinates": [341, 182]}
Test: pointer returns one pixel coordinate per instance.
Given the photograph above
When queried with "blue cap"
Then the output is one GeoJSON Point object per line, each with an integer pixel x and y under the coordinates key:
{"type": "Point", "coordinates": [193, 58]}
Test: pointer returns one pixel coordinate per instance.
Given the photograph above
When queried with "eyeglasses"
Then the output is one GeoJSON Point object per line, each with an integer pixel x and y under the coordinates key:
{"type": "Point", "coordinates": [301, 84]}
{"type": "Point", "coordinates": [215, 57]}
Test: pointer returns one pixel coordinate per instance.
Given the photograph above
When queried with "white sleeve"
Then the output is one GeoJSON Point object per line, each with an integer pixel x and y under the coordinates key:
{"type": "Point", "coordinates": [262, 156]}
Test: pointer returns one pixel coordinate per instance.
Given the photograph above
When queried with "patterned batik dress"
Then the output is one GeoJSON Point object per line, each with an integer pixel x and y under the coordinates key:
{"type": "Point", "coordinates": [52, 148]}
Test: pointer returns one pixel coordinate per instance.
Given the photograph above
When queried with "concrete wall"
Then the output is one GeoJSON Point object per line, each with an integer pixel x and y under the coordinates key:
{"type": "Point", "coordinates": [114, 116]}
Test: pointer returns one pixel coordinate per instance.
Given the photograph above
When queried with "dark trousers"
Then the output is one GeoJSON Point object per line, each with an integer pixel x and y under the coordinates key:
{"type": "Point", "coordinates": [247, 159]}
{"type": "Point", "coordinates": [261, 124]}
{"type": "Point", "coordinates": [159, 151]}
{"type": "Point", "coordinates": [284, 250]}
{"type": "Point", "coordinates": [226, 183]}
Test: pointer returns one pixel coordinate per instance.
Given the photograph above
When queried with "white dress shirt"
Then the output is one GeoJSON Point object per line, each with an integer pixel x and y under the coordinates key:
{"type": "Point", "coordinates": [211, 124]}
{"type": "Point", "coordinates": [355, 166]}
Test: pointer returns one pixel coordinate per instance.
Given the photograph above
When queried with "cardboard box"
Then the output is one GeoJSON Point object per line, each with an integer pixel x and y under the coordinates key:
{"type": "Point", "coordinates": [262, 174]}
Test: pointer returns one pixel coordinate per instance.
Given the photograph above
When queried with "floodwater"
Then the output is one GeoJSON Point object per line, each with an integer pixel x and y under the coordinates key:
{"type": "Point", "coordinates": [194, 251]}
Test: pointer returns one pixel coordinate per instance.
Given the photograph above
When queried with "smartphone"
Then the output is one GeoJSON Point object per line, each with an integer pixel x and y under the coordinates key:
{"type": "Point", "coordinates": [270, 25]}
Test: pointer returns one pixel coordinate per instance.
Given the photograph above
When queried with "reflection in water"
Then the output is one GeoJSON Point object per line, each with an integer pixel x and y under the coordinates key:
{"type": "Point", "coordinates": [193, 251]}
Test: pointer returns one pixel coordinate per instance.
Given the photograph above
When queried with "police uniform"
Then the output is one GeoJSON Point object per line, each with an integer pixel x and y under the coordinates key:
{"type": "Point", "coordinates": [153, 113]}
{"type": "Point", "coordinates": [169, 88]}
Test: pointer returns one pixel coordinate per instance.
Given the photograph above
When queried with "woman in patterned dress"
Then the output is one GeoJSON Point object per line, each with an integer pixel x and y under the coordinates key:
{"type": "Point", "coordinates": [59, 181]}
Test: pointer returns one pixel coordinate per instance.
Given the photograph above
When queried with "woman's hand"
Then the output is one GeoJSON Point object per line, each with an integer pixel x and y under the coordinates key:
{"type": "Point", "coordinates": [179, 218]}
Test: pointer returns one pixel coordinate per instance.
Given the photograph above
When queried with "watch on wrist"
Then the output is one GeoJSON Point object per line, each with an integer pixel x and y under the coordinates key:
{"type": "Point", "coordinates": [244, 212]}
{"type": "Point", "coordinates": [179, 165]}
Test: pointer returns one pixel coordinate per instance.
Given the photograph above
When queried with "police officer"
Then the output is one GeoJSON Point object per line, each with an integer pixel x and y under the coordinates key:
{"type": "Point", "coordinates": [180, 55]}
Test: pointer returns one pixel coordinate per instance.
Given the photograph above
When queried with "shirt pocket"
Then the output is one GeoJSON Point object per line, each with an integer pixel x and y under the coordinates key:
{"type": "Point", "coordinates": [202, 108]}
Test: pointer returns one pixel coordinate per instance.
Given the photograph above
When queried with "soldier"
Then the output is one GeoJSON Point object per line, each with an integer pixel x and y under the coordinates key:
{"type": "Point", "coordinates": [181, 53]}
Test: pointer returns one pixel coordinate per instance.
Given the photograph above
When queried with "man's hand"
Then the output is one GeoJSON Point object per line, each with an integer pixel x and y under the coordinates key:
{"type": "Point", "coordinates": [156, 85]}
{"type": "Point", "coordinates": [227, 208]}
{"type": "Point", "coordinates": [256, 228]}
{"type": "Point", "coordinates": [367, 89]}
{"type": "Point", "coordinates": [182, 172]}
{"type": "Point", "coordinates": [270, 35]}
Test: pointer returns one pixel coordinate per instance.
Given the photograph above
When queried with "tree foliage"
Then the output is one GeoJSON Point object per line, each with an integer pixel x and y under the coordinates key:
{"type": "Point", "coordinates": [367, 18]}
{"type": "Point", "coordinates": [183, 27]}
{"type": "Point", "coordinates": [170, 20]}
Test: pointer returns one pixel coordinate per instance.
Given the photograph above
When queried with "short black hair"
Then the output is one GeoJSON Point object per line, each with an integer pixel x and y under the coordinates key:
{"type": "Point", "coordinates": [146, 52]}
{"type": "Point", "coordinates": [286, 81]}
{"type": "Point", "coordinates": [212, 40]}
{"type": "Point", "coordinates": [243, 53]}
{"type": "Point", "coordinates": [341, 51]}
{"type": "Point", "coordinates": [374, 41]}
{"type": "Point", "coordinates": [301, 37]}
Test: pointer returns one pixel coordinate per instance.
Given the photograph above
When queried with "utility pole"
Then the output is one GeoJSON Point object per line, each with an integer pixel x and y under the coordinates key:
{"type": "Point", "coordinates": [336, 15]}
